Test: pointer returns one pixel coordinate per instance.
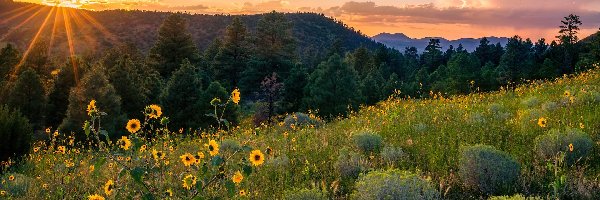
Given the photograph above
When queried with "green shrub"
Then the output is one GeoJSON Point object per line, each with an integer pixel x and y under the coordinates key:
{"type": "Point", "coordinates": [349, 164]}
{"type": "Point", "coordinates": [304, 194]}
{"type": "Point", "coordinates": [393, 155]}
{"type": "Point", "coordinates": [393, 184]}
{"type": "Point", "coordinates": [230, 146]}
{"type": "Point", "coordinates": [18, 186]}
{"type": "Point", "coordinates": [368, 142]}
{"type": "Point", "coordinates": [549, 145]}
{"type": "Point", "coordinates": [15, 132]}
{"type": "Point", "coordinates": [514, 197]}
{"type": "Point", "coordinates": [488, 170]}
{"type": "Point", "coordinates": [298, 120]}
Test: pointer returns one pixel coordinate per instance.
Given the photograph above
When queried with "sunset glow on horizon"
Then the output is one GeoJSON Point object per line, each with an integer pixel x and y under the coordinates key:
{"type": "Point", "coordinates": [451, 19]}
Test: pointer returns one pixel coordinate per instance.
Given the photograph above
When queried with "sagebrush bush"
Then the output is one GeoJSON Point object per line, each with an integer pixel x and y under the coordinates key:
{"type": "Point", "coordinates": [368, 142]}
{"type": "Point", "coordinates": [299, 119]}
{"type": "Point", "coordinates": [393, 155]}
{"type": "Point", "coordinates": [514, 197]}
{"type": "Point", "coordinates": [488, 170]}
{"type": "Point", "coordinates": [348, 164]}
{"type": "Point", "coordinates": [230, 146]}
{"type": "Point", "coordinates": [393, 184]}
{"type": "Point", "coordinates": [304, 194]}
{"type": "Point", "coordinates": [15, 132]}
{"type": "Point", "coordinates": [18, 186]}
{"type": "Point", "coordinates": [549, 145]}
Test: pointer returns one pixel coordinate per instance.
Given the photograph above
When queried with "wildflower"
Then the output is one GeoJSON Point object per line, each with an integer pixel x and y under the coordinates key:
{"type": "Point", "coordinates": [235, 96]}
{"type": "Point", "coordinates": [45, 186]}
{"type": "Point", "coordinates": [62, 149]}
{"type": "Point", "coordinates": [128, 158]}
{"type": "Point", "coordinates": [581, 125]}
{"type": "Point", "coordinates": [257, 158]}
{"type": "Point", "coordinates": [189, 181]}
{"type": "Point", "coordinates": [542, 122]}
{"type": "Point", "coordinates": [143, 148]}
{"type": "Point", "coordinates": [11, 178]}
{"type": "Point", "coordinates": [567, 93]}
{"type": "Point", "coordinates": [213, 147]}
{"type": "Point", "coordinates": [243, 193]}
{"type": "Point", "coordinates": [124, 142]}
{"type": "Point", "coordinates": [237, 177]}
{"type": "Point", "coordinates": [95, 197]}
{"type": "Point", "coordinates": [91, 108]}
{"type": "Point", "coordinates": [36, 149]}
{"type": "Point", "coordinates": [154, 111]}
{"type": "Point", "coordinates": [215, 101]}
{"type": "Point", "coordinates": [571, 147]}
{"type": "Point", "coordinates": [187, 159]}
{"type": "Point", "coordinates": [108, 187]}
{"type": "Point", "coordinates": [56, 133]}
{"type": "Point", "coordinates": [199, 157]}
{"type": "Point", "coordinates": [48, 130]}
{"type": "Point", "coordinates": [92, 168]}
{"type": "Point", "coordinates": [133, 125]}
{"type": "Point", "coordinates": [2, 193]}
{"type": "Point", "coordinates": [572, 99]}
{"type": "Point", "coordinates": [157, 154]}
{"type": "Point", "coordinates": [169, 192]}
{"type": "Point", "coordinates": [110, 165]}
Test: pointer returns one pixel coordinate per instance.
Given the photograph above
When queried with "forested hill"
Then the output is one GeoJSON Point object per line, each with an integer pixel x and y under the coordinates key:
{"type": "Point", "coordinates": [95, 31]}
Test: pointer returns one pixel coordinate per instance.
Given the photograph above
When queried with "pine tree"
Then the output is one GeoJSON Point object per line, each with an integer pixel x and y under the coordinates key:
{"type": "Point", "coordinates": [233, 55]}
{"type": "Point", "coordinates": [58, 96]}
{"type": "Point", "coordinates": [461, 70]}
{"type": "Point", "coordinates": [174, 44]}
{"type": "Point", "coordinates": [9, 57]}
{"type": "Point", "coordinates": [294, 88]}
{"type": "Point", "coordinates": [94, 86]}
{"type": "Point", "coordinates": [332, 88]}
{"type": "Point", "coordinates": [129, 86]}
{"type": "Point", "coordinates": [180, 97]}
{"type": "Point", "coordinates": [274, 43]}
{"type": "Point", "coordinates": [28, 96]}
{"type": "Point", "coordinates": [371, 87]}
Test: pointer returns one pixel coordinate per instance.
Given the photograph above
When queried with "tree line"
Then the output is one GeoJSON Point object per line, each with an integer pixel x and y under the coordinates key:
{"type": "Point", "coordinates": [266, 67]}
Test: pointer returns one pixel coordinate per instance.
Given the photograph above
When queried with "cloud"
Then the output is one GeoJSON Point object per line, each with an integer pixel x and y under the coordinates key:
{"type": "Point", "coordinates": [471, 12]}
{"type": "Point", "coordinates": [145, 6]}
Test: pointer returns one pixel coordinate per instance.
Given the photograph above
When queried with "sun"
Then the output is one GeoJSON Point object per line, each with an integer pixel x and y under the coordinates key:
{"type": "Point", "coordinates": [65, 3]}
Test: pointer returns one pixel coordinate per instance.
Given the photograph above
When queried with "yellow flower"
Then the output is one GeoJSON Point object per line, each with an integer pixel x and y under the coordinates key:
{"type": "Point", "coordinates": [157, 154]}
{"type": "Point", "coordinates": [235, 96]}
{"type": "Point", "coordinates": [133, 125]}
{"type": "Point", "coordinates": [572, 99]}
{"type": "Point", "coordinates": [11, 178]}
{"type": "Point", "coordinates": [169, 192]}
{"type": "Point", "coordinates": [581, 125]}
{"type": "Point", "coordinates": [62, 149]}
{"type": "Point", "coordinates": [48, 130]}
{"type": "Point", "coordinates": [242, 193]}
{"type": "Point", "coordinates": [213, 147]}
{"type": "Point", "coordinates": [199, 157]}
{"type": "Point", "coordinates": [189, 181]}
{"type": "Point", "coordinates": [108, 187]}
{"type": "Point", "coordinates": [36, 149]}
{"type": "Point", "coordinates": [237, 177]}
{"type": "Point", "coordinates": [95, 197]}
{"type": "Point", "coordinates": [154, 111]}
{"type": "Point", "coordinates": [542, 122]}
{"type": "Point", "coordinates": [143, 148]}
{"type": "Point", "coordinates": [187, 159]}
{"type": "Point", "coordinates": [571, 147]}
{"type": "Point", "coordinates": [567, 93]}
{"type": "Point", "coordinates": [124, 142]}
{"type": "Point", "coordinates": [2, 193]}
{"type": "Point", "coordinates": [257, 158]}
{"type": "Point", "coordinates": [91, 108]}
{"type": "Point", "coordinates": [92, 168]}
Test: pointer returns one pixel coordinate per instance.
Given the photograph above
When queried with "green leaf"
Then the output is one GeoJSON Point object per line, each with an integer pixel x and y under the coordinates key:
{"type": "Point", "coordinates": [137, 174]}
{"type": "Point", "coordinates": [217, 160]}
{"type": "Point", "coordinates": [230, 188]}
{"type": "Point", "coordinates": [246, 148]}
{"type": "Point", "coordinates": [148, 196]}
{"type": "Point", "coordinates": [247, 170]}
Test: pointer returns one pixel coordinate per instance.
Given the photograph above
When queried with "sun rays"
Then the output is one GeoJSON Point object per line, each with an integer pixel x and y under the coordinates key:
{"type": "Point", "coordinates": [56, 25]}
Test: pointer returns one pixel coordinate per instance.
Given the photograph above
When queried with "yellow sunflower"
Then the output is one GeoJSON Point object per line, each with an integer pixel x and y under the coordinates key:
{"type": "Point", "coordinates": [108, 187]}
{"type": "Point", "coordinates": [199, 157]}
{"type": "Point", "coordinates": [169, 192]}
{"type": "Point", "coordinates": [157, 155]}
{"type": "Point", "coordinates": [567, 93]}
{"type": "Point", "coordinates": [143, 148]}
{"type": "Point", "coordinates": [257, 158]}
{"type": "Point", "coordinates": [133, 125]}
{"type": "Point", "coordinates": [243, 193]}
{"type": "Point", "coordinates": [235, 96]}
{"type": "Point", "coordinates": [189, 181]}
{"type": "Point", "coordinates": [542, 122]}
{"type": "Point", "coordinates": [187, 159]}
{"type": "Point", "coordinates": [237, 177]}
{"type": "Point", "coordinates": [92, 168]}
{"type": "Point", "coordinates": [62, 149]}
{"type": "Point", "coordinates": [2, 193]}
{"type": "Point", "coordinates": [154, 111]}
{"type": "Point", "coordinates": [91, 108]}
{"type": "Point", "coordinates": [213, 147]}
{"type": "Point", "coordinates": [124, 142]}
{"type": "Point", "coordinates": [95, 197]}
{"type": "Point", "coordinates": [571, 147]}
{"type": "Point", "coordinates": [11, 178]}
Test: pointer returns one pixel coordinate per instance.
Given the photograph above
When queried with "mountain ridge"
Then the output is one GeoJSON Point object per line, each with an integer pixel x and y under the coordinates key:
{"type": "Point", "coordinates": [400, 41]}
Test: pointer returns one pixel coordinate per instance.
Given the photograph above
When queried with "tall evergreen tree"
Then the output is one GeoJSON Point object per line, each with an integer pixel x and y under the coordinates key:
{"type": "Point", "coordinates": [129, 86]}
{"type": "Point", "coordinates": [516, 63]}
{"type": "Point", "coordinates": [94, 86]}
{"type": "Point", "coordinates": [9, 57]}
{"type": "Point", "coordinates": [332, 88]}
{"type": "Point", "coordinates": [58, 96]}
{"type": "Point", "coordinates": [28, 96]}
{"type": "Point", "coordinates": [568, 40]}
{"type": "Point", "coordinates": [275, 43]}
{"type": "Point", "coordinates": [174, 44]}
{"type": "Point", "coordinates": [233, 55]}
{"type": "Point", "coordinates": [433, 56]}
{"type": "Point", "coordinates": [180, 97]}
{"type": "Point", "coordinates": [294, 88]}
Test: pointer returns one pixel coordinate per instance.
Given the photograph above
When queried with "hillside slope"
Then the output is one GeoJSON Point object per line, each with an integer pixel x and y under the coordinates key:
{"type": "Point", "coordinates": [400, 41]}
{"type": "Point", "coordinates": [93, 31]}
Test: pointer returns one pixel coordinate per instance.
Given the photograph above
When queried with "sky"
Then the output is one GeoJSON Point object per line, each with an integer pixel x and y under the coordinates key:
{"type": "Point", "coordinates": [451, 19]}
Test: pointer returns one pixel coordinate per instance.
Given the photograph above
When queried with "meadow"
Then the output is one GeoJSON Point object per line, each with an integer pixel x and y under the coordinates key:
{"type": "Point", "coordinates": [303, 157]}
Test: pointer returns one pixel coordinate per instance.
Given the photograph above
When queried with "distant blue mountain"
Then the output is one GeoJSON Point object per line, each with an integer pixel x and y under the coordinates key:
{"type": "Point", "coordinates": [400, 41]}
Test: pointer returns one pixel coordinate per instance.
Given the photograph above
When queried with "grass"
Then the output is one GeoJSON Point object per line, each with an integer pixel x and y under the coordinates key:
{"type": "Point", "coordinates": [431, 133]}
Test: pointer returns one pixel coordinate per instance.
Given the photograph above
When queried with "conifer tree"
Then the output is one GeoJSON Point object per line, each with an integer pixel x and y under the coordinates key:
{"type": "Point", "coordinates": [180, 97]}
{"type": "Point", "coordinates": [28, 96]}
